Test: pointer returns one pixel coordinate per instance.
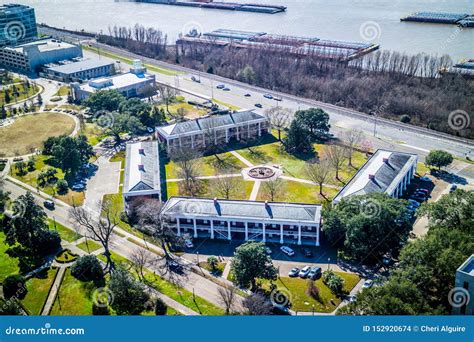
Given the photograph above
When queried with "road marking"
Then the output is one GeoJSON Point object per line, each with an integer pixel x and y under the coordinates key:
{"type": "Point", "coordinates": [416, 148]}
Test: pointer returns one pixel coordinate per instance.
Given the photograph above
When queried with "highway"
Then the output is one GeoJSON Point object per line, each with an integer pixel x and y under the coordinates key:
{"type": "Point", "coordinates": [390, 134]}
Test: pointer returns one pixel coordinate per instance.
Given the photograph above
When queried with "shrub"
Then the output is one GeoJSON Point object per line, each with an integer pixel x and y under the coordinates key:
{"type": "Point", "coordinates": [312, 290]}
{"type": "Point", "coordinates": [99, 309]}
{"type": "Point", "coordinates": [62, 187]}
{"type": "Point", "coordinates": [405, 118]}
{"type": "Point", "coordinates": [160, 307]}
{"type": "Point", "coordinates": [14, 286]}
{"type": "Point", "coordinates": [88, 268]}
{"type": "Point", "coordinates": [333, 281]}
{"type": "Point", "coordinates": [212, 261]}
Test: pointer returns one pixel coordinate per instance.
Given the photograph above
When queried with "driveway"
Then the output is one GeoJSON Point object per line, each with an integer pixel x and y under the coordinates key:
{"type": "Point", "coordinates": [104, 181]}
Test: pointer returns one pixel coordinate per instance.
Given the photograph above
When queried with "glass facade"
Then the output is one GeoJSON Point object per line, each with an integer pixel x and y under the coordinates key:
{"type": "Point", "coordinates": [17, 24]}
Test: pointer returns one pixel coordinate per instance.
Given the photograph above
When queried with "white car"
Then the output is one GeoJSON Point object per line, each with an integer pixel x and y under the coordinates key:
{"type": "Point", "coordinates": [268, 250]}
{"type": "Point", "coordinates": [188, 243]}
{"type": "Point", "coordinates": [287, 250]}
{"type": "Point", "coordinates": [368, 283]}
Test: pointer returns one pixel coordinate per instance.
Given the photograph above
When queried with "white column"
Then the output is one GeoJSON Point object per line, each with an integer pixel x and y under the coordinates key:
{"type": "Point", "coordinates": [167, 145]}
{"type": "Point", "coordinates": [263, 232]}
{"type": "Point", "coordinates": [238, 135]}
{"type": "Point", "coordinates": [229, 237]}
{"type": "Point", "coordinates": [226, 135]}
{"type": "Point", "coordinates": [259, 129]}
{"type": "Point", "coordinates": [246, 231]}
{"type": "Point", "coordinates": [195, 228]}
{"type": "Point", "coordinates": [178, 226]}
{"type": "Point", "coordinates": [212, 229]}
{"type": "Point", "coordinates": [299, 234]}
{"type": "Point", "coordinates": [281, 233]}
{"type": "Point", "coordinates": [192, 141]}
{"type": "Point", "coordinates": [317, 236]}
{"type": "Point", "coordinates": [215, 137]}
{"type": "Point", "coordinates": [179, 139]}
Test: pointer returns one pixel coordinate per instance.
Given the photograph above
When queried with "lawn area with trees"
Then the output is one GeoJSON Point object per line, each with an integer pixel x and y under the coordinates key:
{"type": "Point", "coordinates": [38, 289]}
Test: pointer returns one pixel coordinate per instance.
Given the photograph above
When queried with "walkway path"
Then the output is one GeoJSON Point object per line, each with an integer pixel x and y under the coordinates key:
{"type": "Point", "coordinates": [254, 193]}
{"type": "Point", "coordinates": [54, 291]}
{"type": "Point", "coordinates": [241, 158]}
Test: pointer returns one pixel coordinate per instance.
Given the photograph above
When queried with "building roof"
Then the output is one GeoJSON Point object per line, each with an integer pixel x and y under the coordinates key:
{"type": "Point", "coordinates": [115, 82]}
{"type": "Point", "coordinates": [381, 173]}
{"type": "Point", "coordinates": [43, 45]}
{"type": "Point", "coordinates": [86, 64]}
{"type": "Point", "coordinates": [201, 125]}
{"type": "Point", "coordinates": [467, 266]}
{"type": "Point", "coordinates": [232, 209]}
{"type": "Point", "coordinates": [142, 167]}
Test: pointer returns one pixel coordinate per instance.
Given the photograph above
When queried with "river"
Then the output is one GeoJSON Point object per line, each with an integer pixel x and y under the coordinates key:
{"type": "Point", "coordinates": [377, 21]}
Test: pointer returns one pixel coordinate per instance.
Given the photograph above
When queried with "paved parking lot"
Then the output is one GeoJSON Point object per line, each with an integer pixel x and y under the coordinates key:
{"type": "Point", "coordinates": [322, 256]}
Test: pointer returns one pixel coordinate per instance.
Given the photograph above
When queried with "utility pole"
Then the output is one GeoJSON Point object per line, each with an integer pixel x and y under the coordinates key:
{"type": "Point", "coordinates": [375, 124]}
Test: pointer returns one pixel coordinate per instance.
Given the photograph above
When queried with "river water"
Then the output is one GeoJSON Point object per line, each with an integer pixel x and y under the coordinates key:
{"type": "Point", "coordinates": [376, 21]}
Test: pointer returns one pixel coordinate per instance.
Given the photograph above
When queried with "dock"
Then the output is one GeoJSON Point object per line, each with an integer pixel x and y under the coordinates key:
{"type": "Point", "coordinates": [461, 19]}
{"type": "Point", "coordinates": [230, 6]}
{"type": "Point", "coordinates": [298, 46]}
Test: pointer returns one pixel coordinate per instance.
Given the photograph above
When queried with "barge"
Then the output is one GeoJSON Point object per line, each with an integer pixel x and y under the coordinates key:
{"type": "Point", "coordinates": [230, 6]}
{"type": "Point", "coordinates": [461, 19]}
{"type": "Point", "coordinates": [298, 46]}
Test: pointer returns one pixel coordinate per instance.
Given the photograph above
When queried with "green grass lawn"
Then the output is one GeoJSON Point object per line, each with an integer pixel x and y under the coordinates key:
{"type": "Point", "coordinates": [207, 189]}
{"type": "Point", "coordinates": [92, 132]}
{"type": "Point", "coordinates": [74, 297]}
{"type": "Point", "coordinates": [117, 259]}
{"type": "Point", "coordinates": [38, 289]}
{"type": "Point", "coordinates": [228, 105]}
{"type": "Point", "coordinates": [219, 268]}
{"type": "Point", "coordinates": [209, 165]}
{"type": "Point", "coordinates": [117, 206]}
{"type": "Point", "coordinates": [23, 93]}
{"type": "Point", "coordinates": [296, 192]}
{"type": "Point", "coordinates": [90, 246]}
{"type": "Point", "coordinates": [30, 178]}
{"type": "Point", "coordinates": [190, 111]}
{"type": "Point", "coordinates": [183, 296]}
{"type": "Point", "coordinates": [62, 91]}
{"type": "Point", "coordinates": [8, 265]}
{"type": "Point", "coordinates": [64, 232]}
{"type": "Point", "coordinates": [300, 301]}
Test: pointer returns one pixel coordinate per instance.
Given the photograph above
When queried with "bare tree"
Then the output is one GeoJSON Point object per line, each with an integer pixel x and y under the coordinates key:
{"type": "Point", "coordinates": [279, 118]}
{"type": "Point", "coordinates": [319, 173]}
{"type": "Point", "coordinates": [336, 155]}
{"type": "Point", "coordinates": [167, 94]}
{"type": "Point", "coordinates": [272, 188]}
{"type": "Point", "coordinates": [99, 230]}
{"type": "Point", "coordinates": [150, 222]}
{"type": "Point", "coordinates": [141, 259]}
{"type": "Point", "coordinates": [227, 296]}
{"type": "Point", "coordinates": [257, 305]}
{"type": "Point", "coordinates": [225, 185]}
{"type": "Point", "coordinates": [188, 165]}
{"type": "Point", "coordinates": [352, 140]}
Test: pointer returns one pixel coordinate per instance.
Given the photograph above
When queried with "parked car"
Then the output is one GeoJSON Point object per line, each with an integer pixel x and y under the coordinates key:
{"type": "Point", "coordinates": [195, 79]}
{"type": "Point", "coordinates": [188, 243]}
{"type": "Point", "coordinates": [268, 250]}
{"type": "Point", "coordinates": [294, 272]}
{"type": "Point", "coordinates": [304, 272]}
{"type": "Point", "coordinates": [258, 105]}
{"type": "Point", "coordinates": [418, 198]}
{"type": "Point", "coordinates": [78, 187]}
{"type": "Point", "coordinates": [368, 283]}
{"type": "Point", "coordinates": [414, 203]}
{"type": "Point", "coordinates": [423, 190]}
{"type": "Point", "coordinates": [49, 204]}
{"type": "Point", "coordinates": [307, 252]}
{"type": "Point", "coordinates": [220, 86]}
{"type": "Point", "coordinates": [268, 96]}
{"type": "Point", "coordinates": [426, 179]}
{"type": "Point", "coordinates": [287, 250]}
{"type": "Point", "coordinates": [247, 95]}
{"type": "Point", "coordinates": [277, 98]}
{"type": "Point", "coordinates": [226, 89]}
{"type": "Point", "coordinates": [315, 273]}
{"type": "Point", "coordinates": [453, 188]}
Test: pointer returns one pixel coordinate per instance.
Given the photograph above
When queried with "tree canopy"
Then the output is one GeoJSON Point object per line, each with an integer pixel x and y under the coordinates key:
{"type": "Point", "coordinates": [130, 295]}
{"type": "Point", "coordinates": [439, 159]}
{"type": "Point", "coordinates": [315, 121]}
{"type": "Point", "coordinates": [251, 262]}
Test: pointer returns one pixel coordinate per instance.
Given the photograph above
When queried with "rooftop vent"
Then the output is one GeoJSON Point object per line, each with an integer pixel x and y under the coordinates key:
{"type": "Point", "coordinates": [141, 151]}
{"type": "Point", "coordinates": [371, 177]}
{"type": "Point", "coordinates": [141, 167]}
{"type": "Point", "coordinates": [385, 160]}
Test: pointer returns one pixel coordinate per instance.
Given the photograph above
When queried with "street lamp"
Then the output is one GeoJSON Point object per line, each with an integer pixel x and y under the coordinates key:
{"type": "Point", "coordinates": [329, 260]}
